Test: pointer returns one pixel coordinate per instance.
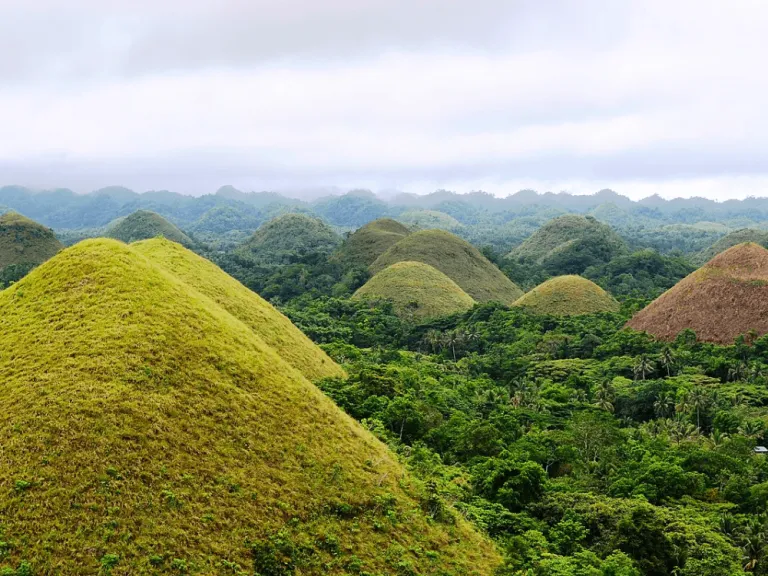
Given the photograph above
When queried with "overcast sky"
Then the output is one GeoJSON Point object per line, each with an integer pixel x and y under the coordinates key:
{"type": "Point", "coordinates": [646, 96]}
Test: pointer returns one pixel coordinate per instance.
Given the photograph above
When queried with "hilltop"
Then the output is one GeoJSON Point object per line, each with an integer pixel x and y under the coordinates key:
{"type": "Point", "coordinates": [732, 239]}
{"type": "Point", "coordinates": [287, 235]}
{"type": "Point", "coordinates": [457, 259]}
{"type": "Point", "coordinates": [417, 290]}
{"type": "Point", "coordinates": [24, 244]}
{"type": "Point", "coordinates": [142, 225]}
{"type": "Point", "coordinates": [568, 296]}
{"type": "Point", "coordinates": [371, 241]}
{"type": "Point", "coordinates": [426, 219]}
{"type": "Point", "coordinates": [244, 304]}
{"type": "Point", "coordinates": [726, 297]}
{"type": "Point", "coordinates": [570, 244]}
{"type": "Point", "coordinates": [147, 430]}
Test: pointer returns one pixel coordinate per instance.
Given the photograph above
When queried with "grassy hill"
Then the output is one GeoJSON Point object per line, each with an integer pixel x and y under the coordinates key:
{"type": "Point", "coordinates": [732, 239]}
{"type": "Point", "coordinates": [568, 296]}
{"type": "Point", "coordinates": [245, 305]}
{"type": "Point", "coordinates": [23, 241]}
{"type": "Point", "coordinates": [142, 225]}
{"type": "Point", "coordinates": [287, 235]}
{"type": "Point", "coordinates": [418, 291]}
{"type": "Point", "coordinates": [147, 430]}
{"type": "Point", "coordinates": [457, 259]}
{"type": "Point", "coordinates": [726, 297]}
{"type": "Point", "coordinates": [426, 219]}
{"type": "Point", "coordinates": [570, 244]}
{"type": "Point", "coordinates": [371, 241]}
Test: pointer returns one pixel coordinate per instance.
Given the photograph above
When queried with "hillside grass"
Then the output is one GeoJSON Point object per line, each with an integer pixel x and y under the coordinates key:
{"type": "Point", "coordinates": [146, 430]}
{"type": "Point", "coordinates": [734, 238]}
{"type": "Point", "coordinates": [143, 225]}
{"type": "Point", "coordinates": [371, 241]}
{"type": "Point", "coordinates": [245, 305]}
{"type": "Point", "coordinates": [282, 237]}
{"type": "Point", "coordinates": [568, 296]}
{"type": "Point", "coordinates": [417, 290]}
{"type": "Point", "coordinates": [457, 259]}
{"type": "Point", "coordinates": [426, 219]}
{"type": "Point", "coordinates": [24, 242]}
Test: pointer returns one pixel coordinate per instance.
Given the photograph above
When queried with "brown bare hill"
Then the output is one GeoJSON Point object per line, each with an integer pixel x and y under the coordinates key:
{"type": "Point", "coordinates": [726, 297]}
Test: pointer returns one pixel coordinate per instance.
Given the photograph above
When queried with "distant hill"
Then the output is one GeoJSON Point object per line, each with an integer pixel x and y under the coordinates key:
{"type": "Point", "coordinates": [147, 430]}
{"type": "Point", "coordinates": [245, 305]}
{"type": "Point", "coordinates": [457, 259]}
{"type": "Point", "coordinates": [371, 241]}
{"type": "Point", "coordinates": [568, 296]}
{"type": "Point", "coordinates": [726, 297]}
{"type": "Point", "coordinates": [23, 245]}
{"type": "Point", "coordinates": [287, 235]}
{"type": "Point", "coordinates": [732, 239]}
{"type": "Point", "coordinates": [142, 225]}
{"type": "Point", "coordinates": [418, 291]}
{"type": "Point", "coordinates": [429, 219]}
{"type": "Point", "coordinates": [570, 244]}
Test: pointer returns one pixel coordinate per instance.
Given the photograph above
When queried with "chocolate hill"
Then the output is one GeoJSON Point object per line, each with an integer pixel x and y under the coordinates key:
{"type": "Point", "coordinates": [726, 297]}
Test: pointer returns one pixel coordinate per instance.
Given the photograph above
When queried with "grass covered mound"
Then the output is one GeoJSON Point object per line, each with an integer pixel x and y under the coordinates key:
{"type": "Point", "coordinates": [371, 241]}
{"type": "Point", "coordinates": [418, 291]}
{"type": "Point", "coordinates": [723, 299]}
{"type": "Point", "coordinates": [457, 259]}
{"type": "Point", "coordinates": [142, 225]}
{"type": "Point", "coordinates": [24, 241]}
{"type": "Point", "coordinates": [732, 239]}
{"type": "Point", "coordinates": [145, 430]}
{"type": "Point", "coordinates": [285, 236]}
{"type": "Point", "coordinates": [568, 296]}
{"type": "Point", "coordinates": [425, 219]}
{"type": "Point", "coordinates": [245, 305]}
{"type": "Point", "coordinates": [570, 244]}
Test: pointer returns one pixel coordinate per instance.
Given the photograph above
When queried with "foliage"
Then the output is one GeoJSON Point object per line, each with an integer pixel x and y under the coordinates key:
{"type": "Point", "coordinates": [142, 225]}
{"type": "Point", "coordinates": [23, 244]}
{"type": "Point", "coordinates": [281, 239]}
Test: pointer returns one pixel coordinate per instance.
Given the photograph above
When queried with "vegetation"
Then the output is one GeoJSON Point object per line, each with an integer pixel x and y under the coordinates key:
{"type": "Point", "coordinates": [371, 241]}
{"type": "Point", "coordinates": [568, 296]}
{"type": "Point", "coordinates": [418, 291]}
{"type": "Point", "coordinates": [724, 299]}
{"type": "Point", "coordinates": [23, 245]}
{"type": "Point", "coordinates": [281, 239]}
{"type": "Point", "coordinates": [142, 225]}
{"type": "Point", "coordinates": [457, 259]}
{"type": "Point", "coordinates": [426, 219]}
{"type": "Point", "coordinates": [151, 431]}
{"type": "Point", "coordinates": [732, 239]}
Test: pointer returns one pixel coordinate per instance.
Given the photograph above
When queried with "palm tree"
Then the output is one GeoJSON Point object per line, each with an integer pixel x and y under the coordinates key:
{"type": "Point", "coordinates": [699, 400]}
{"type": "Point", "coordinates": [664, 405]}
{"type": "Point", "coordinates": [751, 429]}
{"type": "Point", "coordinates": [453, 339]}
{"type": "Point", "coordinates": [644, 367]}
{"type": "Point", "coordinates": [668, 360]}
{"type": "Point", "coordinates": [718, 438]}
{"type": "Point", "coordinates": [605, 396]}
{"type": "Point", "coordinates": [434, 339]}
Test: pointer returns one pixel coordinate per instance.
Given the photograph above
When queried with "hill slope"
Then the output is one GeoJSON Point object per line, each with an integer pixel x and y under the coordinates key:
{"type": "Point", "coordinates": [568, 296]}
{"type": "Point", "coordinates": [457, 259]}
{"type": "Point", "coordinates": [417, 291]}
{"type": "Point", "coordinates": [245, 305]}
{"type": "Point", "coordinates": [142, 225]}
{"type": "Point", "coordinates": [425, 219]}
{"type": "Point", "coordinates": [289, 234]}
{"type": "Point", "coordinates": [726, 297]}
{"type": "Point", "coordinates": [371, 241]}
{"type": "Point", "coordinates": [570, 244]}
{"type": "Point", "coordinates": [732, 239]}
{"type": "Point", "coordinates": [146, 430]}
{"type": "Point", "coordinates": [23, 241]}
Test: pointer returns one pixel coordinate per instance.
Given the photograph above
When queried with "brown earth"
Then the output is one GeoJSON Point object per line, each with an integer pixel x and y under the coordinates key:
{"type": "Point", "coordinates": [726, 297]}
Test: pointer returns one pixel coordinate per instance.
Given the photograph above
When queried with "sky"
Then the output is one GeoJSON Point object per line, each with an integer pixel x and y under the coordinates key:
{"type": "Point", "coordinates": [644, 97]}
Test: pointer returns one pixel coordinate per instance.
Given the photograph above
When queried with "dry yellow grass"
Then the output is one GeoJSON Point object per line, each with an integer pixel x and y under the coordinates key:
{"type": "Point", "coordinates": [568, 296]}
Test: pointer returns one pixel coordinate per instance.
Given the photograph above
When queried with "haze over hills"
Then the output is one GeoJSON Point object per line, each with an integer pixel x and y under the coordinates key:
{"type": "Point", "coordinates": [141, 411]}
{"type": "Point", "coordinates": [457, 259]}
{"type": "Point", "coordinates": [417, 290]}
{"type": "Point", "coordinates": [568, 296]}
{"type": "Point", "coordinates": [723, 299]}
{"type": "Point", "coordinates": [732, 239]}
{"type": "Point", "coordinates": [142, 225]}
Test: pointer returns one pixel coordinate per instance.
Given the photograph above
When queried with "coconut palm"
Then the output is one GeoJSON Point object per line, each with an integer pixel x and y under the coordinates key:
{"type": "Point", "coordinates": [664, 405]}
{"type": "Point", "coordinates": [699, 400]}
{"type": "Point", "coordinates": [644, 367]}
{"type": "Point", "coordinates": [605, 396]}
{"type": "Point", "coordinates": [668, 360]}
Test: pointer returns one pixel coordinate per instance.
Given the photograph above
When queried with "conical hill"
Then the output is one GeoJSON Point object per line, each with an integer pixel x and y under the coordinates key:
{"type": "Point", "coordinates": [244, 304]}
{"type": "Point", "coordinates": [371, 241]}
{"type": "Point", "coordinates": [142, 225]}
{"type": "Point", "coordinates": [279, 239]}
{"type": "Point", "coordinates": [726, 297]}
{"type": "Point", "coordinates": [417, 290]}
{"type": "Point", "coordinates": [457, 259]}
{"type": "Point", "coordinates": [732, 239]}
{"type": "Point", "coordinates": [568, 296]}
{"type": "Point", "coordinates": [146, 430]}
{"type": "Point", "coordinates": [24, 241]}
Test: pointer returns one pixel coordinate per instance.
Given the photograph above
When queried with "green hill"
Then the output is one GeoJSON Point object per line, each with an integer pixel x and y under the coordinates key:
{"type": "Point", "coordinates": [570, 244]}
{"type": "Point", "coordinates": [142, 225]}
{"type": "Point", "coordinates": [732, 239]}
{"type": "Point", "coordinates": [568, 296]}
{"type": "Point", "coordinates": [426, 219]}
{"type": "Point", "coordinates": [371, 241]}
{"type": "Point", "coordinates": [23, 241]}
{"type": "Point", "coordinates": [244, 304]}
{"type": "Point", "coordinates": [418, 291]}
{"type": "Point", "coordinates": [146, 430]}
{"type": "Point", "coordinates": [457, 259]}
{"type": "Point", "coordinates": [287, 235]}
